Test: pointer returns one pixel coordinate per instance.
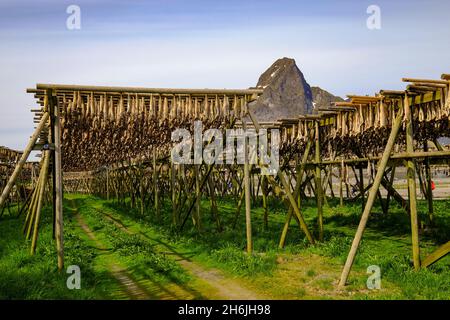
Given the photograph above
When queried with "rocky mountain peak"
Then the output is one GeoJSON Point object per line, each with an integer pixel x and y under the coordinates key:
{"type": "Point", "coordinates": [287, 94]}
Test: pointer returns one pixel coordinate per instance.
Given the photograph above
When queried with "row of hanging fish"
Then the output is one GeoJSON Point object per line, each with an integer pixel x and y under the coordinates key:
{"type": "Point", "coordinates": [153, 106]}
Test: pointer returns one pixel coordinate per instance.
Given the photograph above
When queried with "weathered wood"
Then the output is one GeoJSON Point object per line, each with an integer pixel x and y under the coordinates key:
{"type": "Point", "coordinates": [23, 159]}
{"type": "Point", "coordinates": [318, 181]}
{"type": "Point", "coordinates": [412, 184]}
{"type": "Point", "coordinates": [389, 186]}
{"type": "Point", "coordinates": [196, 217]}
{"type": "Point", "coordinates": [170, 91]}
{"type": "Point", "coordinates": [371, 198]}
{"type": "Point", "coordinates": [107, 183]}
{"type": "Point", "coordinates": [436, 255]}
{"type": "Point", "coordinates": [265, 203]}
{"type": "Point", "coordinates": [341, 187]}
{"type": "Point", "coordinates": [294, 207]}
{"type": "Point", "coordinates": [58, 187]}
{"type": "Point", "coordinates": [299, 178]}
{"type": "Point", "coordinates": [361, 185]}
{"type": "Point", "coordinates": [248, 219]}
{"type": "Point", "coordinates": [40, 201]}
{"type": "Point", "coordinates": [155, 186]}
{"type": "Point", "coordinates": [429, 189]}
{"type": "Point", "coordinates": [141, 120]}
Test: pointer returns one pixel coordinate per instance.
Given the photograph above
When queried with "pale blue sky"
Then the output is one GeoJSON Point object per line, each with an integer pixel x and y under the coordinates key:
{"type": "Point", "coordinates": [215, 44]}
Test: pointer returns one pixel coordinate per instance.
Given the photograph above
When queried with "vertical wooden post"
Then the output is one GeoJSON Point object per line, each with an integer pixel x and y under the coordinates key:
{"type": "Point", "coordinates": [412, 184]}
{"type": "Point", "coordinates": [141, 188]}
{"type": "Point", "coordinates": [51, 139]}
{"type": "Point", "coordinates": [341, 187]}
{"type": "Point", "coordinates": [174, 194]}
{"type": "Point", "coordinates": [155, 184]}
{"type": "Point", "coordinates": [347, 189]}
{"type": "Point", "coordinates": [330, 182]}
{"type": "Point", "coordinates": [264, 198]}
{"type": "Point", "coordinates": [361, 185]}
{"type": "Point", "coordinates": [429, 189]}
{"type": "Point", "coordinates": [181, 177]}
{"type": "Point", "coordinates": [318, 178]}
{"type": "Point", "coordinates": [198, 198]}
{"type": "Point", "coordinates": [371, 198]}
{"type": "Point", "coordinates": [248, 219]}
{"type": "Point", "coordinates": [57, 171]}
{"type": "Point", "coordinates": [107, 183]}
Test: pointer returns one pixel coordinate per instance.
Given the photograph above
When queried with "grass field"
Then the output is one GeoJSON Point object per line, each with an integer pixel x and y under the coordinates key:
{"type": "Point", "coordinates": [125, 255]}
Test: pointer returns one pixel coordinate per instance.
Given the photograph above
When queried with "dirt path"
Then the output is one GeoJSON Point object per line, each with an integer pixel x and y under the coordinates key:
{"type": "Point", "coordinates": [131, 288]}
{"type": "Point", "coordinates": [222, 286]}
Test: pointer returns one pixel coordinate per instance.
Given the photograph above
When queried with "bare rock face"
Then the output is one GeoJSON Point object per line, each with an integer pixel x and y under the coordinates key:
{"type": "Point", "coordinates": [286, 92]}
{"type": "Point", "coordinates": [322, 98]}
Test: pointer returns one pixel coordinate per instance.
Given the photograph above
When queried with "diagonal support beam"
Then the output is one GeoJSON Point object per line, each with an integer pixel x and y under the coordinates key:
{"type": "Point", "coordinates": [23, 159]}
{"type": "Point", "coordinates": [371, 198]}
{"type": "Point", "coordinates": [436, 255]}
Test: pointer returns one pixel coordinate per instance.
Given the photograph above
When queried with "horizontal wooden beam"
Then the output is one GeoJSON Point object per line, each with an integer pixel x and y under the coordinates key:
{"type": "Point", "coordinates": [402, 155]}
{"type": "Point", "coordinates": [426, 81]}
{"type": "Point", "coordinates": [65, 87]}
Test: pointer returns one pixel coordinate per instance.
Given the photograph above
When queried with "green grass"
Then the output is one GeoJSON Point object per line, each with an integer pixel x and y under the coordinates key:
{"type": "Point", "coordinates": [23, 276]}
{"type": "Point", "coordinates": [136, 254]}
{"type": "Point", "coordinates": [386, 243]}
{"type": "Point", "coordinates": [298, 271]}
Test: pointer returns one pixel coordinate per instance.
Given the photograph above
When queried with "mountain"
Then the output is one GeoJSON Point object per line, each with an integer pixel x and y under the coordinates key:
{"type": "Point", "coordinates": [286, 93]}
{"type": "Point", "coordinates": [322, 98]}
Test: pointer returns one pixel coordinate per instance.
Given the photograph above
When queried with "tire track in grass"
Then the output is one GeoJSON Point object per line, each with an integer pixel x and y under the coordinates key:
{"type": "Point", "coordinates": [143, 288]}
{"type": "Point", "coordinates": [131, 288]}
{"type": "Point", "coordinates": [222, 286]}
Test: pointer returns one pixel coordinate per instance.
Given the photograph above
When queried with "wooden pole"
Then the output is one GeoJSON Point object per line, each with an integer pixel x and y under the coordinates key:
{"type": "Point", "coordinates": [294, 206]}
{"type": "Point", "coordinates": [371, 198]}
{"type": "Point", "coordinates": [23, 159]}
{"type": "Point", "coordinates": [197, 213]}
{"type": "Point", "coordinates": [58, 187]}
{"type": "Point", "coordinates": [51, 139]}
{"type": "Point", "coordinates": [429, 189]}
{"type": "Point", "coordinates": [248, 219]}
{"type": "Point", "coordinates": [33, 205]}
{"type": "Point", "coordinates": [300, 173]}
{"type": "Point", "coordinates": [341, 187]}
{"type": "Point", "coordinates": [40, 201]}
{"type": "Point", "coordinates": [155, 185]}
{"type": "Point", "coordinates": [436, 255]}
{"type": "Point", "coordinates": [361, 185]}
{"type": "Point", "coordinates": [318, 179]}
{"type": "Point", "coordinates": [107, 183]}
{"type": "Point", "coordinates": [391, 183]}
{"type": "Point", "coordinates": [174, 194]}
{"type": "Point", "coordinates": [412, 184]}
{"type": "Point", "coordinates": [264, 199]}
{"type": "Point", "coordinates": [141, 189]}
